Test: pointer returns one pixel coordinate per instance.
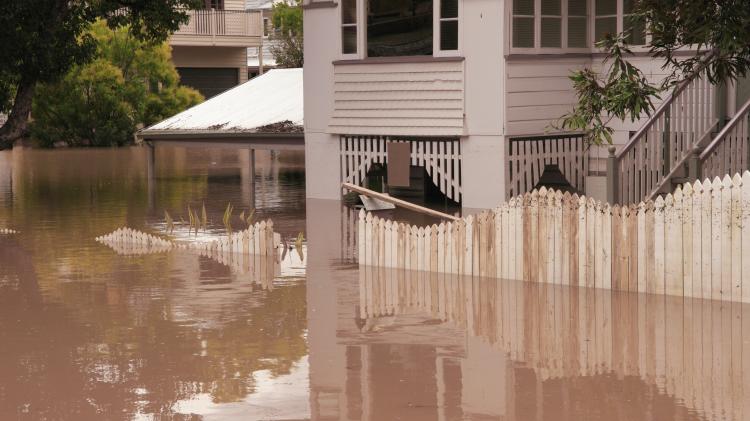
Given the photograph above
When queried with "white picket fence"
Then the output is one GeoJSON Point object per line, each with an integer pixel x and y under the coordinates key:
{"type": "Point", "coordinates": [257, 239]}
{"type": "Point", "coordinates": [694, 242]}
{"type": "Point", "coordinates": [255, 252]}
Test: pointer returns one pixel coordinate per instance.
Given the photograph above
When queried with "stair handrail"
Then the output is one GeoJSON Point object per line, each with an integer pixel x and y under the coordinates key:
{"type": "Point", "coordinates": [663, 107]}
{"type": "Point", "coordinates": [739, 115]}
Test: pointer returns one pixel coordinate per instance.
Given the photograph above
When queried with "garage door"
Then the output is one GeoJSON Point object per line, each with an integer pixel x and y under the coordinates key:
{"type": "Point", "coordinates": [209, 81]}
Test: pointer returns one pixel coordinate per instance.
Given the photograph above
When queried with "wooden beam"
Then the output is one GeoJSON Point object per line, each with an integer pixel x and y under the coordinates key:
{"type": "Point", "coordinates": [398, 202]}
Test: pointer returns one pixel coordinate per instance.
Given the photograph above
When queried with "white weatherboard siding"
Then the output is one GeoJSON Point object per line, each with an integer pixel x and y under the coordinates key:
{"type": "Point", "coordinates": [538, 92]}
{"type": "Point", "coordinates": [274, 97]}
{"type": "Point", "coordinates": [411, 99]}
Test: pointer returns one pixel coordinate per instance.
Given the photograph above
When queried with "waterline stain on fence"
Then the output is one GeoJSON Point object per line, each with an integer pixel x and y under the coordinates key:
{"type": "Point", "coordinates": [693, 243]}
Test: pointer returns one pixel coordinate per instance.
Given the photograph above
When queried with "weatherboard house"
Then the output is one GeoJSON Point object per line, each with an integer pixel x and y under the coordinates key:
{"type": "Point", "coordinates": [473, 87]}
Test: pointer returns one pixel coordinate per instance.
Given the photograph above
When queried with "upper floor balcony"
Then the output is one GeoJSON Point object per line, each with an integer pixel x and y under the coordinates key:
{"type": "Point", "coordinates": [223, 28]}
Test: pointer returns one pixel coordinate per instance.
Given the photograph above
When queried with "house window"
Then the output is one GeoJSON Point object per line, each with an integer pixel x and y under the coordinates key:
{"type": "Point", "coordinates": [266, 27]}
{"type": "Point", "coordinates": [349, 27]}
{"type": "Point", "coordinates": [392, 28]}
{"type": "Point", "coordinates": [605, 20]}
{"type": "Point", "coordinates": [636, 30]}
{"type": "Point", "coordinates": [551, 24]}
{"type": "Point", "coordinates": [523, 23]}
{"type": "Point", "coordinates": [449, 25]}
{"type": "Point", "coordinates": [399, 28]}
{"type": "Point", "coordinates": [577, 24]}
{"type": "Point", "coordinates": [214, 4]}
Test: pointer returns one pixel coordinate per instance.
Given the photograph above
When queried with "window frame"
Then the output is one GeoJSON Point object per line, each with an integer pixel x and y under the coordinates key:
{"type": "Point", "coordinates": [563, 27]}
{"type": "Point", "coordinates": [437, 20]}
{"type": "Point", "coordinates": [361, 25]}
{"type": "Point", "coordinates": [564, 49]}
{"type": "Point", "coordinates": [359, 14]}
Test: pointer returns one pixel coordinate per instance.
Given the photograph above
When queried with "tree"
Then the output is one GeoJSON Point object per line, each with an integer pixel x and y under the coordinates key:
{"type": "Point", "coordinates": [713, 41]}
{"type": "Point", "coordinates": [130, 84]}
{"type": "Point", "coordinates": [287, 39]}
{"type": "Point", "coordinates": [44, 39]}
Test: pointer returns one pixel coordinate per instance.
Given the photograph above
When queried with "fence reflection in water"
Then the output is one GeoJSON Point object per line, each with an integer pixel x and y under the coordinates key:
{"type": "Point", "coordinates": [695, 350]}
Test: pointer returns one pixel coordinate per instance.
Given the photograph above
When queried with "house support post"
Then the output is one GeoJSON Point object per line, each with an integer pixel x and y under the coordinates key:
{"type": "Point", "coordinates": [260, 55]}
{"type": "Point", "coordinates": [612, 176]}
{"type": "Point", "coordinates": [694, 165]}
{"type": "Point", "coordinates": [151, 174]}
{"type": "Point", "coordinates": [247, 175]}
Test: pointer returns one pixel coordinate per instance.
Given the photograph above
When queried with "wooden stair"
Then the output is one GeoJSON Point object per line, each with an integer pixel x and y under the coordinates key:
{"type": "Point", "coordinates": [657, 156]}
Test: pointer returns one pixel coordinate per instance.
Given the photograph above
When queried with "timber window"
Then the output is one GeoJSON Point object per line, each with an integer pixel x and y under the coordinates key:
{"type": "Point", "coordinates": [448, 25]}
{"type": "Point", "coordinates": [551, 24]}
{"type": "Point", "coordinates": [578, 23]}
{"type": "Point", "coordinates": [349, 27]}
{"type": "Point", "coordinates": [615, 16]}
{"type": "Point", "coordinates": [399, 28]}
{"type": "Point", "coordinates": [635, 28]}
{"type": "Point", "coordinates": [539, 26]}
{"type": "Point", "coordinates": [605, 20]}
{"type": "Point", "coordinates": [393, 28]}
{"type": "Point", "coordinates": [523, 23]}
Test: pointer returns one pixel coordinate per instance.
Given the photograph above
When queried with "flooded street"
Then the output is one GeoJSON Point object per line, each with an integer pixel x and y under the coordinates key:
{"type": "Point", "coordinates": [88, 334]}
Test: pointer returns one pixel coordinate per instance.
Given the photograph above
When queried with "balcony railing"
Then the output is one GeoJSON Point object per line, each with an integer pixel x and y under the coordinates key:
{"type": "Point", "coordinates": [222, 23]}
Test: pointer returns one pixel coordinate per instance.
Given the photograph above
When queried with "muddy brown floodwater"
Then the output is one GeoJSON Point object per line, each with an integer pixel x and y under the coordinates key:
{"type": "Point", "coordinates": [88, 334]}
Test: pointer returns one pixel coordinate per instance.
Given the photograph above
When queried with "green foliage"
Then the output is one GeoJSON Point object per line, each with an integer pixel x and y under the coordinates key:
{"type": "Point", "coordinates": [622, 92]}
{"type": "Point", "coordinates": [712, 38]}
{"type": "Point", "coordinates": [721, 27]}
{"type": "Point", "coordinates": [131, 84]}
{"type": "Point", "coordinates": [42, 40]}
{"type": "Point", "coordinates": [287, 37]}
{"type": "Point", "coordinates": [288, 17]}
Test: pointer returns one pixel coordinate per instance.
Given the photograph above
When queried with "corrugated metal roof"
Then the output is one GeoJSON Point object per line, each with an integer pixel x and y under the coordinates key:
{"type": "Point", "coordinates": [273, 97]}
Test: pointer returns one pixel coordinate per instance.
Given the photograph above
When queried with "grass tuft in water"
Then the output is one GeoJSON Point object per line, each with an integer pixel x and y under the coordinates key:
{"type": "Point", "coordinates": [227, 220]}
{"type": "Point", "coordinates": [204, 217]}
{"type": "Point", "coordinates": [298, 245]}
{"type": "Point", "coordinates": [168, 222]}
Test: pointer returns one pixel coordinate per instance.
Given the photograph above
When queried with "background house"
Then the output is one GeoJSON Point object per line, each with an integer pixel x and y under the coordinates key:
{"type": "Point", "coordinates": [210, 51]}
{"type": "Point", "coordinates": [265, 7]}
{"type": "Point", "coordinates": [474, 86]}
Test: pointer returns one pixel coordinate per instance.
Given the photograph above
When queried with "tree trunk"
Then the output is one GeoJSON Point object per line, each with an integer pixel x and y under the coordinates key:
{"type": "Point", "coordinates": [18, 121]}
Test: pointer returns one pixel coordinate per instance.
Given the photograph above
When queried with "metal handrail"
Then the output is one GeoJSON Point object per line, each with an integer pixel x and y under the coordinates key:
{"type": "Point", "coordinates": [742, 113]}
{"type": "Point", "coordinates": [662, 108]}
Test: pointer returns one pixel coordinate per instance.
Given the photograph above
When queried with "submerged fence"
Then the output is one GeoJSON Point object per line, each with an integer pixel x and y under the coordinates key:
{"type": "Point", "coordinates": [255, 251]}
{"type": "Point", "coordinates": [694, 242]}
{"type": "Point", "coordinates": [258, 238]}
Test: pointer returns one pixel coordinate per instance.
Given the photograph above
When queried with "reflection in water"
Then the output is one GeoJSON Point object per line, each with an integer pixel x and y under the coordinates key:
{"type": "Point", "coordinates": [438, 347]}
{"type": "Point", "coordinates": [86, 334]}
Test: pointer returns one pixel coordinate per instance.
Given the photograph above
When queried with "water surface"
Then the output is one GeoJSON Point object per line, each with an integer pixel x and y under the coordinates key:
{"type": "Point", "coordinates": [89, 334]}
